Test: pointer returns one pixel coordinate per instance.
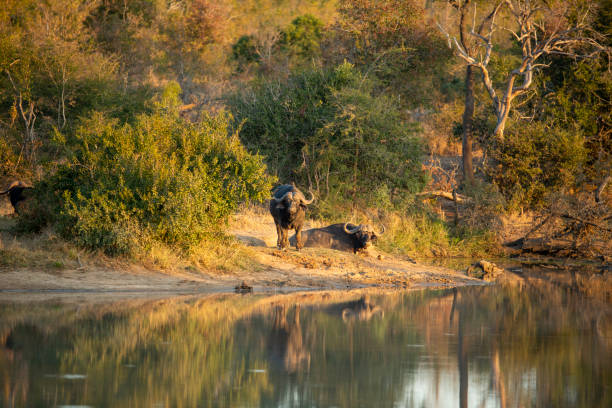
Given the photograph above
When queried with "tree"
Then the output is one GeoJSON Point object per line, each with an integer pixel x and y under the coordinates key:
{"type": "Point", "coordinates": [391, 41]}
{"type": "Point", "coordinates": [539, 28]}
{"type": "Point", "coordinates": [326, 129]}
{"type": "Point", "coordinates": [46, 62]}
{"type": "Point", "coordinates": [303, 36]}
{"type": "Point", "coordinates": [468, 113]}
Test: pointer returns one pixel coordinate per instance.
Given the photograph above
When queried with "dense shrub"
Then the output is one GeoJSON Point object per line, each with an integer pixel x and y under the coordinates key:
{"type": "Point", "coordinates": [303, 36]}
{"type": "Point", "coordinates": [244, 50]}
{"type": "Point", "coordinates": [326, 130]}
{"type": "Point", "coordinates": [160, 179]}
{"type": "Point", "coordinates": [534, 159]}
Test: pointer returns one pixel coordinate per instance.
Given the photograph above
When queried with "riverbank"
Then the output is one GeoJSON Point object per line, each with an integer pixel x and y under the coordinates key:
{"type": "Point", "coordinates": [47, 263]}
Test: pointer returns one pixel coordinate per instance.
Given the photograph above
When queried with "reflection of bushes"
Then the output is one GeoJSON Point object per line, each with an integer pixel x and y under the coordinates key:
{"type": "Point", "coordinates": [190, 351]}
{"type": "Point", "coordinates": [162, 179]}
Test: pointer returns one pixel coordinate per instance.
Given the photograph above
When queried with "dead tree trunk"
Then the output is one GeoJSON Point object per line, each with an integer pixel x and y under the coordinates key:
{"type": "Point", "coordinates": [540, 29]}
{"type": "Point", "coordinates": [468, 126]}
{"type": "Point", "coordinates": [28, 116]}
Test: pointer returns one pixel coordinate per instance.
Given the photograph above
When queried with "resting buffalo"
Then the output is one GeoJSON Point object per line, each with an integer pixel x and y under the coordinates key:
{"type": "Point", "coordinates": [344, 237]}
{"type": "Point", "coordinates": [16, 193]}
{"type": "Point", "coordinates": [288, 208]}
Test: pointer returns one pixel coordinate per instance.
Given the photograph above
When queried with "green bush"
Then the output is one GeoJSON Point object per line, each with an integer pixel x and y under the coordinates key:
{"type": "Point", "coordinates": [325, 129]}
{"type": "Point", "coordinates": [534, 159]}
{"type": "Point", "coordinates": [244, 51]}
{"type": "Point", "coordinates": [303, 36]}
{"type": "Point", "coordinates": [161, 178]}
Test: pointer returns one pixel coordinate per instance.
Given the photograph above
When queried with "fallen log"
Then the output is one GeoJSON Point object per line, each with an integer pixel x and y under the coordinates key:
{"type": "Point", "coordinates": [452, 196]}
{"type": "Point", "coordinates": [586, 222]}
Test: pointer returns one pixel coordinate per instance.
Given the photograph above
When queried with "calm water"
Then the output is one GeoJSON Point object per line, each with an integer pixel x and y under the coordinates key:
{"type": "Point", "coordinates": [476, 347]}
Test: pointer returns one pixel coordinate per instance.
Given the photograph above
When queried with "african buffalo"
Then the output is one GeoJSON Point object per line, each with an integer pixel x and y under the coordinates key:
{"type": "Point", "coordinates": [16, 193]}
{"type": "Point", "coordinates": [344, 237]}
{"type": "Point", "coordinates": [288, 208]}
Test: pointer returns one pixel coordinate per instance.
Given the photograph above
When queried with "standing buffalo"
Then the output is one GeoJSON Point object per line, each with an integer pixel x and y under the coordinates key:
{"type": "Point", "coordinates": [288, 208]}
{"type": "Point", "coordinates": [344, 237]}
{"type": "Point", "coordinates": [16, 193]}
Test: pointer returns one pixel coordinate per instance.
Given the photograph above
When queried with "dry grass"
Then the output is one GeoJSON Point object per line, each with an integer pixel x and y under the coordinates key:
{"type": "Point", "coordinates": [47, 251]}
{"type": "Point", "coordinates": [44, 250]}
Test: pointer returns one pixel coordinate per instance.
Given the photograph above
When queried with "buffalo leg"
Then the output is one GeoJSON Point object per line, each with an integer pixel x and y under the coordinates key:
{"type": "Point", "coordinates": [298, 238]}
{"type": "Point", "coordinates": [279, 235]}
{"type": "Point", "coordinates": [284, 238]}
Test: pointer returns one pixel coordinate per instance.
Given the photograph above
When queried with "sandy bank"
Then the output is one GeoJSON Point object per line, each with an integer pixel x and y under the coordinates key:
{"type": "Point", "coordinates": [311, 268]}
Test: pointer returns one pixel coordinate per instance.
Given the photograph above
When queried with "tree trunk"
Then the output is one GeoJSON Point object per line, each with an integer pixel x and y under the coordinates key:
{"type": "Point", "coordinates": [468, 126]}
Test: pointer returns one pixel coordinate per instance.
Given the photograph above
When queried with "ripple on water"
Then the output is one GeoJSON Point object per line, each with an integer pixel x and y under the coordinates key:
{"type": "Point", "coordinates": [67, 376]}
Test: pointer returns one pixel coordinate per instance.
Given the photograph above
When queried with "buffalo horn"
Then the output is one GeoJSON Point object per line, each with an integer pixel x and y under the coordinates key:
{"type": "Point", "coordinates": [306, 202]}
{"type": "Point", "coordinates": [351, 231]}
{"type": "Point", "coordinates": [278, 200]}
{"type": "Point", "coordinates": [16, 183]}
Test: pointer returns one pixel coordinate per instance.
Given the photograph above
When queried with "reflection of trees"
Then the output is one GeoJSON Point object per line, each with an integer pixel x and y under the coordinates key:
{"type": "Point", "coordinates": [14, 371]}
{"type": "Point", "coordinates": [542, 345]}
{"type": "Point", "coordinates": [462, 358]}
{"type": "Point", "coordinates": [178, 352]}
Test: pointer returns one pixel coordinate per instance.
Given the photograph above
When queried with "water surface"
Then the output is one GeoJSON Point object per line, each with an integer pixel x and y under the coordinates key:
{"type": "Point", "coordinates": [478, 346]}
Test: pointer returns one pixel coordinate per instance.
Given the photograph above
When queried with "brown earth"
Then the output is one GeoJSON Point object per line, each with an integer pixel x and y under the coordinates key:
{"type": "Point", "coordinates": [311, 268]}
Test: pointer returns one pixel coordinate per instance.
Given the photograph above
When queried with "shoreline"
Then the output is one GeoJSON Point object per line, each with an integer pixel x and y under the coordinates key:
{"type": "Point", "coordinates": [365, 274]}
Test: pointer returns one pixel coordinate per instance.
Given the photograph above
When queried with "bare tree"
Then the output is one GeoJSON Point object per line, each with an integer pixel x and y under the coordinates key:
{"type": "Point", "coordinates": [540, 28]}
{"type": "Point", "coordinates": [25, 107]}
{"type": "Point", "coordinates": [462, 6]}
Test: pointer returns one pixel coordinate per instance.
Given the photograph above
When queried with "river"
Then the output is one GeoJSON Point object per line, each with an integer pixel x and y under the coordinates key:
{"type": "Point", "coordinates": [485, 346]}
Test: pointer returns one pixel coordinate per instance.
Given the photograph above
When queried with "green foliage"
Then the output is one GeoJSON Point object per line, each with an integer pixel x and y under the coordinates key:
{"type": "Point", "coordinates": [244, 51]}
{"type": "Point", "coordinates": [365, 146]}
{"type": "Point", "coordinates": [392, 40]}
{"type": "Point", "coordinates": [325, 129]}
{"type": "Point", "coordinates": [161, 179]}
{"type": "Point", "coordinates": [484, 208]}
{"type": "Point", "coordinates": [568, 145]}
{"type": "Point", "coordinates": [534, 159]}
{"type": "Point", "coordinates": [171, 95]}
{"type": "Point", "coordinates": [581, 104]}
{"type": "Point", "coordinates": [303, 36]}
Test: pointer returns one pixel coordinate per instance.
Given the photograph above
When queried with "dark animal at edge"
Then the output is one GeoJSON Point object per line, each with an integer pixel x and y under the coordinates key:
{"type": "Point", "coordinates": [288, 208]}
{"type": "Point", "coordinates": [16, 192]}
{"type": "Point", "coordinates": [343, 237]}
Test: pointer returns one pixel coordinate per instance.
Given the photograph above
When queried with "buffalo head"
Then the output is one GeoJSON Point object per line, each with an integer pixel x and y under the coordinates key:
{"type": "Point", "coordinates": [363, 234]}
{"type": "Point", "coordinates": [292, 200]}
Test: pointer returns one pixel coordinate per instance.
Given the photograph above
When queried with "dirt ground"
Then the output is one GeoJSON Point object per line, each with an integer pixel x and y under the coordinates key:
{"type": "Point", "coordinates": [311, 268]}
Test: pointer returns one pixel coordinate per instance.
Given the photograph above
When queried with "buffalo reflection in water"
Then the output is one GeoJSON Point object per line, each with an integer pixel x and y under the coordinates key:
{"type": "Point", "coordinates": [360, 310]}
{"type": "Point", "coordinates": [286, 342]}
